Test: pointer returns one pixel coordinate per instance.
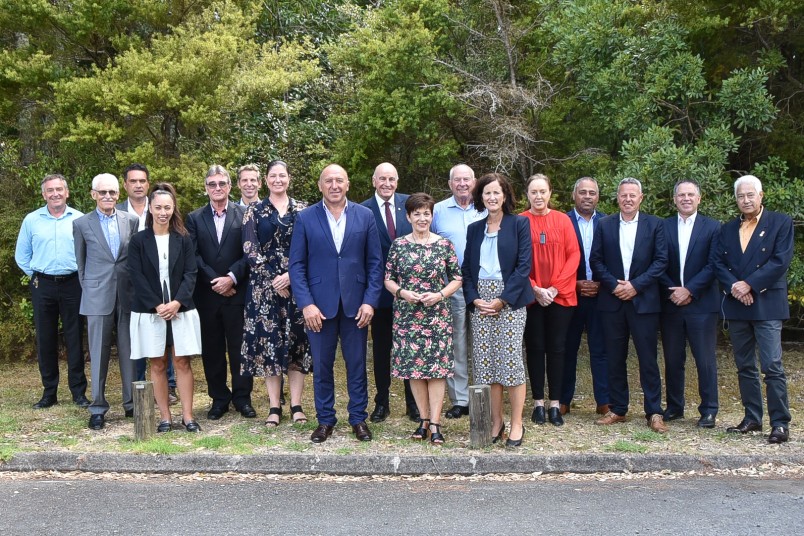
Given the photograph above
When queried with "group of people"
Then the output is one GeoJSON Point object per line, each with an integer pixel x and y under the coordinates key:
{"type": "Point", "coordinates": [275, 286]}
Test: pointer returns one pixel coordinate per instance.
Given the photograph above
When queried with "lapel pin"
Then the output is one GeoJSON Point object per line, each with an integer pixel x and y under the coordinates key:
{"type": "Point", "coordinates": [761, 234]}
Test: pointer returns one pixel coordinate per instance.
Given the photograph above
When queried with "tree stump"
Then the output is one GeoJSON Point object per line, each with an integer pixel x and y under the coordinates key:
{"type": "Point", "coordinates": [144, 416]}
{"type": "Point", "coordinates": [479, 416]}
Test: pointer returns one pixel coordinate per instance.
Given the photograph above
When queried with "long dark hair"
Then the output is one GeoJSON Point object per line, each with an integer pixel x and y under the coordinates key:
{"type": "Point", "coordinates": [509, 204]}
{"type": "Point", "coordinates": [176, 224]}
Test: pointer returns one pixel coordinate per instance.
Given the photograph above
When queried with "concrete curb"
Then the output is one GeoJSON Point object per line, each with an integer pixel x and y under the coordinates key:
{"type": "Point", "coordinates": [385, 464]}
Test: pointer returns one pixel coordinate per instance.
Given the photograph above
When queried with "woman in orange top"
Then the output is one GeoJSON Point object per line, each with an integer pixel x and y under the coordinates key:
{"type": "Point", "coordinates": [555, 263]}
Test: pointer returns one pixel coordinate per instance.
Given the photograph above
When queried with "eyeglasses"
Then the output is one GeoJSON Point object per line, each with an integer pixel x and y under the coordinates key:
{"type": "Point", "coordinates": [219, 184]}
{"type": "Point", "coordinates": [106, 193]}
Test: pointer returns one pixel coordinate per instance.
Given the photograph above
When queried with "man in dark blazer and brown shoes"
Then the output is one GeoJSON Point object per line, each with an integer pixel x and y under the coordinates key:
{"type": "Point", "coordinates": [219, 293]}
{"type": "Point", "coordinates": [690, 303]}
{"type": "Point", "coordinates": [628, 257]}
{"type": "Point", "coordinates": [391, 218]}
{"type": "Point", "coordinates": [754, 254]}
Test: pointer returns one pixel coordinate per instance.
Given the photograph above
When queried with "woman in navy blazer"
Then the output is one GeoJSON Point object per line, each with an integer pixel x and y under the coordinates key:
{"type": "Point", "coordinates": [496, 288]}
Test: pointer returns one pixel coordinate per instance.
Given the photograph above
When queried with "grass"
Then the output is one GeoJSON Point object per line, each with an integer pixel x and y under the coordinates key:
{"type": "Point", "coordinates": [64, 426]}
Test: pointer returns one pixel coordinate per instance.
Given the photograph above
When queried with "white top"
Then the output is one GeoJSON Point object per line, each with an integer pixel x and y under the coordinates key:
{"type": "Point", "coordinates": [628, 232]}
{"type": "Point", "coordinates": [163, 247]}
{"type": "Point", "coordinates": [141, 226]}
{"type": "Point", "coordinates": [337, 227]}
{"type": "Point", "coordinates": [381, 203]}
{"type": "Point", "coordinates": [684, 235]}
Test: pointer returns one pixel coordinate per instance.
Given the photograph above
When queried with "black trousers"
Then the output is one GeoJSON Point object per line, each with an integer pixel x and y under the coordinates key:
{"type": "Point", "coordinates": [382, 328]}
{"type": "Point", "coordinates": [545, 340]}
{"type": "Point", "coordinates": [222, 331]}
{"type": "Point", "coordinates": [54, 299]}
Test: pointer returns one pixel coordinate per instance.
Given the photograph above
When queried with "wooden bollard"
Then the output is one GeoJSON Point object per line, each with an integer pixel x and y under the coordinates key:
{"type": "Point", "coordinates": [144, 416]}
{"type": "Point", "coordinates": [479, 416]}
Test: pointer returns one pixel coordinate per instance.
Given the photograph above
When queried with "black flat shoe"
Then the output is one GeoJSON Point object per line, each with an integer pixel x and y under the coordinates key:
{"type": "Point", "coordinates": [81, 401]}
{"type": "Point", "coordinates": [216, 412]}
{"type": "Point", "coordinates": [46, 402]}
{"type": "Point", "coordinates": [413, 413]}
{"type": "Point", "coordinates": [456, 412]}
{"type": "Point", "coordinates": [247, 411]}
{"type": "Point", "coordinates": [554, 415]}
{"type": "Point", "coordinates": [670, 415]}
{"type": "Point", "coordinates": [538, 415]}
{"type": "Point", "coordinates": [96, 422]}
{"type": "Point", "coordinates": [379, 414]}
{"type": "Point", "coordinates": [129, 413]}
{"type": "Point", "coordinates": [164, 426]}
{"type": "Point", "coordinates": [515, 442]}
{"type": "Point", "coordinates": [191, 426]}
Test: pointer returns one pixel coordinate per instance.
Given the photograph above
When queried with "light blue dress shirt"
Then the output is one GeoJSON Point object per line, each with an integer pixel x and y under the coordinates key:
{"type": "Point", "coordinates": [587, 230]}
{"type": "Point", "coordinates": [489, 258]}
{"type": "Point", "coordinates": [450, 220]}
{"type": "Point", "coordinates": [45, 243]}
{"type": "Point", "coordinates": [337, 227]}
{"type": "Point", "coordinates": [110, 231]}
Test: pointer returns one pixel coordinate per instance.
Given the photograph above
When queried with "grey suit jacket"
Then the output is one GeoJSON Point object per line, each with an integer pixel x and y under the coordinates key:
{"type": "Point", "coordinates": [103, 278]}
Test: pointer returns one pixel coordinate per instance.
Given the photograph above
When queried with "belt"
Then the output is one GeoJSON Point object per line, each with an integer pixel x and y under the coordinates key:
{"type": "Point", "coordinates": [56, 278]}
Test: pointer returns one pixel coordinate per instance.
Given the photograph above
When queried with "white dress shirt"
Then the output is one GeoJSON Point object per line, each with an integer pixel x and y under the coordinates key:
{"type": "Point", "coordinates": [381, 203]}
{"type": "Point", "coordinates": [628, 232]}
{"type": "Point", "coordinates": [684, 235]}
{"type": "Point", "coordinates": [337, 227]}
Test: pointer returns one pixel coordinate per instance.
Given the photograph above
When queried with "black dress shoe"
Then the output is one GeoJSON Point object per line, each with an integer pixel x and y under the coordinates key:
{"type": "Point", "coordinates": [554, 415]}
{"type": "Point", "coordinates": [216, 412]}
{"type": "Point", "coordinates": [163, 427]}
{"type": "Point", "coordinates": [744, 427]}
{"type": "Point", "coordinates": [46, 402]}
{"type": "Point", "coordinates": [96, 422]}
{"type": "Point", "coordinates": [670, 415]}
{"type": "Point", "coordinates": [538, 415]}
{"type": "Point", "coordinates": [362, 432]}
{"type": "Point", "coordinates": [413, 413]}
{"type": "Point", "coordinates": [129, 413]}
{"type": "Point", "coordinates": [247, 411]}
{"type": "Point", "coordinates": [321, 433]}
{"type": "Point", "coordinates": [706, 421]}
{"type": "Point", "coordinates": [191, 426]}
{"type": "Point", "coordinates": [779, 434]}
{"type": "Point", "coordinates": [456, 412]}
{"type": "Point", "coordinates": [81, 401]}
{"type": "Point", "coordinates": [379, 414]}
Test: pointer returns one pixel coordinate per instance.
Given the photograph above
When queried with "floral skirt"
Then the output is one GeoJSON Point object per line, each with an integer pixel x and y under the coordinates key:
{"type": "Point", "coordinates": [497, 341]}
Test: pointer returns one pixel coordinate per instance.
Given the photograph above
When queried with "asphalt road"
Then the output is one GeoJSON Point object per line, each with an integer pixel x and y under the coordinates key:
{"type": "Point", "coordinates": [167, 506]}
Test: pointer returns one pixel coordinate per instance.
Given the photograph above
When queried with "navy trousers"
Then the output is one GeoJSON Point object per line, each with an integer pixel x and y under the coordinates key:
{"type": "Point", "coordinates": [586, 317]}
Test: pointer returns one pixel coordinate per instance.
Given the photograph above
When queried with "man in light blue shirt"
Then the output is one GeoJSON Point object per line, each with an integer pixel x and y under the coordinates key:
{"type": "Point", "coordinates": [45, 252]}
{"type": "Point", "coordinates": [451, 217]}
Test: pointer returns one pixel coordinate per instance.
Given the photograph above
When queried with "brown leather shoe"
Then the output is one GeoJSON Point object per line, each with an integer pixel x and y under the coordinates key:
{"type": "Point", "coordinates": [362, 432]}
{"type": "Point", "coordinates": [657, 424]}
{"type": "Point", "coordinates": [564, 409]}
{"type": "Point", "coordinates": [321, 433]}
{"type": "Point", "coordinates": [610, 418]}
{"type": "Point", "coordinates": [602, 409]}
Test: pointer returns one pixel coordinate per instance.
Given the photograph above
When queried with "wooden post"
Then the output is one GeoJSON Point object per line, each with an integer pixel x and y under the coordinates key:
{"type": "Point", "coordinates": [479, 416]}
{"type": "Point", "coordinates": [144, 417]}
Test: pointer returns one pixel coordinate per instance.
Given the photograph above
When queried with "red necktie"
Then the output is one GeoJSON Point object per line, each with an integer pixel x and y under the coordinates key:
{"type": "Point", "coordinates": [389, 221]}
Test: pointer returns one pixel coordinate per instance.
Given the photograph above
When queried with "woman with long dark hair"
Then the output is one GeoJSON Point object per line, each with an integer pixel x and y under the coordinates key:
{"type": "Point", "coordinates": [162, 269]}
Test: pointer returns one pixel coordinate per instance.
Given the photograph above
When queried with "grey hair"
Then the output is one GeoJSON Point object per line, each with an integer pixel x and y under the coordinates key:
{"type": "Point", "coordinates": [217, 169]}
{"type": "Point", "coordinates": [458, 165]}
{"type": "Point", "coordinates": [630, 180]}
{"type": "Point", "coordinates": [54, 177]}
{"type": "Point", "coordinates": [579, 181]}
{"type": "Point", "coordinates": [686, 181]}
{"type": "Point", "coordinates": [748, 179]}
{"type": "Point", "coordinates": [97, 178]}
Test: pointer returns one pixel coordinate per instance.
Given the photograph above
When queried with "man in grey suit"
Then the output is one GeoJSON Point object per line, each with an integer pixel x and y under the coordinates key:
{"type": "Point", "coordinates": [101, 250]}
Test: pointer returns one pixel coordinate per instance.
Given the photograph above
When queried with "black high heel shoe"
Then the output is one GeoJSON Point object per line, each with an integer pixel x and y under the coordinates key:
{"type": "Point", "coordinates": [515, 442]}
{"type": "Point", "coordinates": [420, 433]}
{"type": "Point", "coordinates": [499, 436]}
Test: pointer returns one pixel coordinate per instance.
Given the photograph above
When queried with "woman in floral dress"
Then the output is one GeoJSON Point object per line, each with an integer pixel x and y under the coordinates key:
{"type": "Point", "coordinates": [274, 340]}
{"type": "Point", "coordinates": [422, 273]}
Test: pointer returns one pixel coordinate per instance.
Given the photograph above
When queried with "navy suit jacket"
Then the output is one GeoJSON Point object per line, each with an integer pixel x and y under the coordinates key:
{"type": "Point", "coordinates": [763, 265]}
{"type": "Point", "coordinates": [402, 228]}
{"type": "Point", "coordinates": [320, 275]}
{"type": "Point", "coordinates": [699, 267]}
{"type": "Point", "coordinates": [647, 265]}
{"type": "Point", "coordinates": [582, 264]}
{"type": "Point", "coordinates": [515, 251]}
{"type": "Point", "coordinates": [218, 259]}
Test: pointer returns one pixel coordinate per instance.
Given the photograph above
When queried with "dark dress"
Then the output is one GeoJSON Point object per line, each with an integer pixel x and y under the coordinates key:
{"type": "Point", "coordinates": [422, 335]}
{"type": "Point", "coordinates": [274, 340]}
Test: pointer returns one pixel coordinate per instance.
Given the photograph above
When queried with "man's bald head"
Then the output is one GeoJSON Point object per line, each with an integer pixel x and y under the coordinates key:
{"type": "Point", "coordinates": [385, 180]}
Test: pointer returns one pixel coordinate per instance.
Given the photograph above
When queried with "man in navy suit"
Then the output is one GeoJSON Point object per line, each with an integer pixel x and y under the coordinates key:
{"type": "Point", "coordinates": [391, 219]}
{"type": "Point", "coordinates": [336, 274]}
{"type": "Point", "coordinates": [219, 294]}
{"type": "Point", "coordinates": [690, 303]}
{"type": "Point", "coordinates": [628, 257]}
{"type": "Point", "coordinates": [754, 254]}
{"type": "Point", "coordinates": [585, 218]}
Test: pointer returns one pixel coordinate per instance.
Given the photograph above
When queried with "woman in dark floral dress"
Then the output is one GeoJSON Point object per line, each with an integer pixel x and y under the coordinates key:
{"type": "Point", "coordinates": [274, 340]}
{"type": "Point", "coordinates": [422, 272]}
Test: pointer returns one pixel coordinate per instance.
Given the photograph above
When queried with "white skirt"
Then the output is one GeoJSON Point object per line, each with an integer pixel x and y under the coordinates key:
{"type": "Point", "coordinates": [149, 333]}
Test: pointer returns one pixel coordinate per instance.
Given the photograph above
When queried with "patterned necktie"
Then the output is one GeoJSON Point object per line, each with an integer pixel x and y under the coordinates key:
{"type": "Point", "coordinates": [389, 221]}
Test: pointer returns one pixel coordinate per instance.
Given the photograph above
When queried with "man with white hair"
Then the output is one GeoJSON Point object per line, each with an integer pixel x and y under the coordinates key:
{"type": "Point", "coordinates": [101, 252]}
{"type": "Point", "coordinates": [754, 254]}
